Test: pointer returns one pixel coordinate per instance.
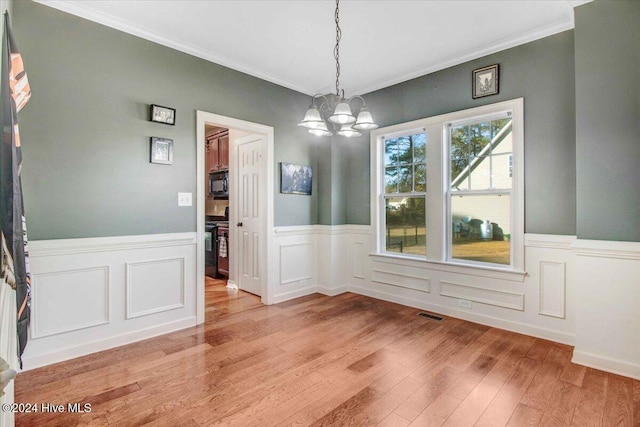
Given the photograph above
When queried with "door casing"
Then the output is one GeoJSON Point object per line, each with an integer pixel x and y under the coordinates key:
{"type": "Point", "coordinates": [267, 188]}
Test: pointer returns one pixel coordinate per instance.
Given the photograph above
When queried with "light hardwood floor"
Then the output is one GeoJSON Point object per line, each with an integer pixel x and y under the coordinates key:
{"type": "Point", "coordinates": [330, 361]}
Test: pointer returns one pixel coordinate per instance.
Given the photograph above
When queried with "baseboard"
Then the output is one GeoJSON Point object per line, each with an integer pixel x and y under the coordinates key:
{"type": "Point", "coordinates": [294, 294]}
{"type": "Point", "coordinates": [595, 361]}
{"type": "Point", "coordinates": [231, 284]}
{"type": "Point", "coordinates": [105, 344]}
{"type": "Point", "coordinates": [508, 325]}
{"type": "Point", "coordinates": [332, 292]}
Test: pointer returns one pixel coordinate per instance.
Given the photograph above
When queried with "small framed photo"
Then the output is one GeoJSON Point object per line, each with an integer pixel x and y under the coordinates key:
{"type": "Point", "coordinates": [485, 81]}
{"type": "Point", "coordinates": [161, 151]}
{"type": "Point", "coordinates": [162, 114]}
{"type": "Point", "coordinates": [295, 179]}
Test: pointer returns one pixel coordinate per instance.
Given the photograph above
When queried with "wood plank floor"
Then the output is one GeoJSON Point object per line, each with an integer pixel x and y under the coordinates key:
{"type": "Point", "coordinates": [330, 361]}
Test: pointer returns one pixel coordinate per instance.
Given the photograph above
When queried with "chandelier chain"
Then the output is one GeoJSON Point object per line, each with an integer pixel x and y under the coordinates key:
{"type": "Point", "coordinates": [330, 115]}
{"type": "Point", "coordinates": [336, 50]}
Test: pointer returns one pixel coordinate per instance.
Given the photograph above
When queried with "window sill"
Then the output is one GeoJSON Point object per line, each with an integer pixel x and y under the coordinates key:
{"type": "Point", "coordinates": [451, 267]}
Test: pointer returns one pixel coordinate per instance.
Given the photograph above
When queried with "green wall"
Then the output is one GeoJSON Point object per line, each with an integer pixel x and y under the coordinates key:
{"type": "Point", "coordinates": [86, 132]}
{"type": "Point", "coordinates": [542, 72]}
{"type": "Point", "coordinates": [608, 120]}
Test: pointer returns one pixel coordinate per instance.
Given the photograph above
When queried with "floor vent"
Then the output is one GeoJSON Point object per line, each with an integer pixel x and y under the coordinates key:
{"type": "Point", "coordinates": [431, 316]}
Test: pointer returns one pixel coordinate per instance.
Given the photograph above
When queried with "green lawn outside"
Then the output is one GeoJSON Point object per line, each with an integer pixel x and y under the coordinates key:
{"type": "Point", "coordinates": [411, 240]}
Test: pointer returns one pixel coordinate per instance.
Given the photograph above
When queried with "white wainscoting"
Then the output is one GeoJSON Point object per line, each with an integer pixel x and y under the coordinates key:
{"type": "Point", "coordinates": [336, 259]}
{"type": "Point", "coordinates": [577, 292]}
{"type": "Point", "coordinates": [483, 295]}
{"type": "Point", "coordinates": [608, 306]}
{"type": "Point", "coordinates": [502, 299]}
{"type": "Point", "coordinates": [316, 258]}
{"type": "Point", "coordinates": [542, 302]}
{"type": "Point", "coordinates": [295, 262]}
{"type": "Point", "coordinates": [96, 293]}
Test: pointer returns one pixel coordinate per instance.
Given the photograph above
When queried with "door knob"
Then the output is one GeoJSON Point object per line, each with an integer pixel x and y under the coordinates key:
{"type": "Point", "coordinates": [239, 224]}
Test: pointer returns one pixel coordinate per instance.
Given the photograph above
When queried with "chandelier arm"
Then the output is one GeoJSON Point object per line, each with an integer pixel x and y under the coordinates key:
{"type": "Point", "coordinates": [319, 95]}
{"type": "Point", "coordinates": [324, 105]}
{"type": "Point", "coordinates": [364, 104]}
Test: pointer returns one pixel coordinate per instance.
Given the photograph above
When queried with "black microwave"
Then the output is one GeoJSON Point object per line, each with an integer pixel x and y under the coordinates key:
{"type": "Point", "coordinates": [219, 184]}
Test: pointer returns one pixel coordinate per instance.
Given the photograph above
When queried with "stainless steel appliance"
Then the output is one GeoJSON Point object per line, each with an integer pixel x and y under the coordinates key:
{"type": "Point", "coordinates": [219, 184]}
{"type": "Point", "coordinates": [210, 245]}
{"type": "Point", "coordinates": [222, 252]}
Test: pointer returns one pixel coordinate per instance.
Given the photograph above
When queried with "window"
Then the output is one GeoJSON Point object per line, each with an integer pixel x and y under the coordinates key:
{"type": "Point", "coordinates": [405, 190]}
{"type": "Point", "coordinates": [458, 176]}
{"type": "Point", "coordinates": [479, 190]}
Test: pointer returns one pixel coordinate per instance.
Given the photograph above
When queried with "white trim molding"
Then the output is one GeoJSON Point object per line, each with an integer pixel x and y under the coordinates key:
{"type": "Point", "coordinates": [266, 256]}
{"type": "Point", "coordinates": [607, 298]}
{"type": "Point", "coordinates": [45, 248]}
{"type": "Point", "coordinates": [553, 289]}
{"type": "Point", "coordinates": [549, 241]}
{"type": "Point", "coordinates": [483, 295]}
{"type": "Point", "coordinates": [615, 366]}
{"type": "Point", "coordinates": [607, 249]}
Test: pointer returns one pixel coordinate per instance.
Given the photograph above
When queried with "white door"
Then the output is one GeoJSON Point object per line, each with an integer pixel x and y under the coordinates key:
{"type": "Point", "coordinates": [249, 212]}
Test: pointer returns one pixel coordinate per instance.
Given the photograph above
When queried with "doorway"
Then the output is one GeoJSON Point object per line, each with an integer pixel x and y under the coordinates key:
{"type": "Point", "coordinates": [253, 191]}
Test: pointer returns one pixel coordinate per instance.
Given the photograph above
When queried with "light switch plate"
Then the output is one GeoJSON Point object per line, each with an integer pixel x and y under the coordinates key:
{"type": "Point", "coordinates": [184, 199]}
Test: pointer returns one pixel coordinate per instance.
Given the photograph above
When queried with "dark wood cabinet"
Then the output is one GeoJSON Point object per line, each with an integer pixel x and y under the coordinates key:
{"type": "Point", "coordinates": [223, 151]}
{"type": "Point", "coordinates": [218, 151]}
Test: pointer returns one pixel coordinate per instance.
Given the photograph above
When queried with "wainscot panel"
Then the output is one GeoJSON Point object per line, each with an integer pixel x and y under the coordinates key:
{"type": "Point", "coordinates": [483, 295]}
{"type": "Point", "coordinates": [553, 286]}
{"type": "Point", "coordinates": [508, 300]}
{"type": "Point", "coordinates": [319, 258]}
{"type": "Point", "coordinates": [97, 293]}
{"type": "Point", "coordinates": [294, 250]}
{"type": "Point", "coordinates": [52, 290]}
{"type": "Point", "coordinates": [154, 286]}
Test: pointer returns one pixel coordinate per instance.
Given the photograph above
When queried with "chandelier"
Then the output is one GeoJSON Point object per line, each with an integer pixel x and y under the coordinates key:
{"type": "Point", "coordinates": [329, 114]}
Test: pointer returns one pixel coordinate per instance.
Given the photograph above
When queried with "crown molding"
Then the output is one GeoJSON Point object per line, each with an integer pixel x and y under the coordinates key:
{"type": "Point", "coordinates": [76, 8]}
{"type": "Point", "coordinates": [471, 55]}
{"type": "Point", "coordinates": [118, 24]}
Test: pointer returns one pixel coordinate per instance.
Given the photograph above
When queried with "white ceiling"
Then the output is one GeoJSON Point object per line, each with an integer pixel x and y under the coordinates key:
{"type": "Point", "coordinates": [290, 43]}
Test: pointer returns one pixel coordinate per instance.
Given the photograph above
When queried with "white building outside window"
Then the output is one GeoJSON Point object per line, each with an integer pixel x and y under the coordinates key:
{"type": "Point", "coordinates": [450, 189]}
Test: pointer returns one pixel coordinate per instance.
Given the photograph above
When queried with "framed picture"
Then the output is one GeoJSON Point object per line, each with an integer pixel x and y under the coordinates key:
{"type": "Point", "coordinates": [295, 179]}
{"type": "Point", "coordinates": [161, 151]}
{"type": "Point", "coordinates": [162, 114]}
{"type": "Point", "coordinates": [485, 81]}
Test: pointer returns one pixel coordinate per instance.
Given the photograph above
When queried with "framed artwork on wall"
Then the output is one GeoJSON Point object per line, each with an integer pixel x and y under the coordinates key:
{"type": "Point", "coordinates": [161, 151]}
{"type": "Point", "coordinates": [295, 179]}
{"type": "Point", "coordinates": [485, 81]}
{"type": "Point", "coordinates": [165, 115]}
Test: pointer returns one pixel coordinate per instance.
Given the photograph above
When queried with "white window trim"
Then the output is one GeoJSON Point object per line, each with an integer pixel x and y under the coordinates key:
{"type": "Point", "coordinates": [437, 211]}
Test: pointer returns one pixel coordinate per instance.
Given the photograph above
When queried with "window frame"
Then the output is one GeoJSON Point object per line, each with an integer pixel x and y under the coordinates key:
{"type": "Point", "coordinates": [490, 191]}
{"type": "Point", "coordinates": [438, 221]}
{"type": "Point", "coordinates": [412, 194]}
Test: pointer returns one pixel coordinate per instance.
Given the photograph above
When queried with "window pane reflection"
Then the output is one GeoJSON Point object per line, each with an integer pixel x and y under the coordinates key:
{"type": "Point", "coordinates": [481, 228]}
{"type": "Point", "coordinates": [405, 225]}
